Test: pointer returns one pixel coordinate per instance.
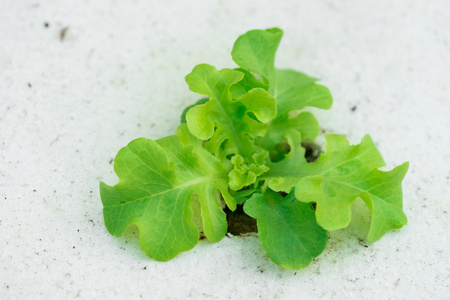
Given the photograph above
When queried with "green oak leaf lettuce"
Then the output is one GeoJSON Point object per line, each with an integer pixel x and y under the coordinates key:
{"type": "Point", "coordinates": [304, 123]}
{"type": "Point", "coordinates": [241, 144]}
{"type": "Point", "coordinates": [296, 90]}
{"type": "Point", "coordinates": [339, 176]}
{"type": "Point", "coordinates": [226, 121]}
{"type": "Point", "coordinates": [247, 83]}
{"type": "Point", "coordinates": [157, 182]}
{"type": "Point", "coordinates": [287, 229]}
{"type": "Point", "coordinates": [255, 52]}
{"type": "Point", "coordinates": [223, 118]}
{"type": "Point", "coordinates": [381, 191]}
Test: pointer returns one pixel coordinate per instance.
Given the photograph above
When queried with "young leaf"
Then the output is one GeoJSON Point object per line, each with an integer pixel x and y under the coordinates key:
{"type": "Point", "coordinates": [255, 51]}
{"type": "Point", "coordinates": [157, 182]}
{"type": "Point", "coordinates": [206, 80]}
{"type": "Point", "coordinates": [224, 121]}
{"type": "Point", "coordinates": [222, 118]}
{"type": "Point", "coordinates": [199, 102]}
{"type": "Point", "coordinates": [245, 172]}
{"type": "Point", "coordinates": [305, 123]}
{"type": "Point", "coordinates": [287, 229]}
{"type": "Point", "coordinates": [295, 90]}
{"type": "Point", "coordinates": [247, 83]}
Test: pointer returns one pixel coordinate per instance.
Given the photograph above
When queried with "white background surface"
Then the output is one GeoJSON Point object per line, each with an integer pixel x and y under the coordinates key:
{"type": "Point", "coordinates": [67, 107]}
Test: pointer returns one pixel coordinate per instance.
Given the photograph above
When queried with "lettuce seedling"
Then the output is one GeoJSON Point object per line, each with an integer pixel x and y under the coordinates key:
{"type": "Point", "coordinates": [242, 144]}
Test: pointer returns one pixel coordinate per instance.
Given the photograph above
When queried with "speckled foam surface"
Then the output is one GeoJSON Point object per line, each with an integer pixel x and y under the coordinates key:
{"type": "Point", "coordinates": [67, 107]}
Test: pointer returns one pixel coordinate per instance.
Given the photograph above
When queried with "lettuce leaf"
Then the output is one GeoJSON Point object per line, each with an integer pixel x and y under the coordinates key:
{"type": "Point", "coordinates": [340, 175]}
{"type": "Point", "coordinates": [255, 52]}
{"type": "Point", "coordinates": [229, 122]}
{"type": "Point", "coordinates": [287, 229]}
{"type": "Point", "coordinates": [304, 123]}
{"type": "Point", "coordinates": [158, 179]}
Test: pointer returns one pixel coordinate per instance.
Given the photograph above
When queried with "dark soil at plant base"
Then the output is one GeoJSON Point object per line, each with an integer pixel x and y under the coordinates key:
{"type": "Point", "coordinates": [239, 222]}
{"type": "Point", "coordinates": [312, 151]}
